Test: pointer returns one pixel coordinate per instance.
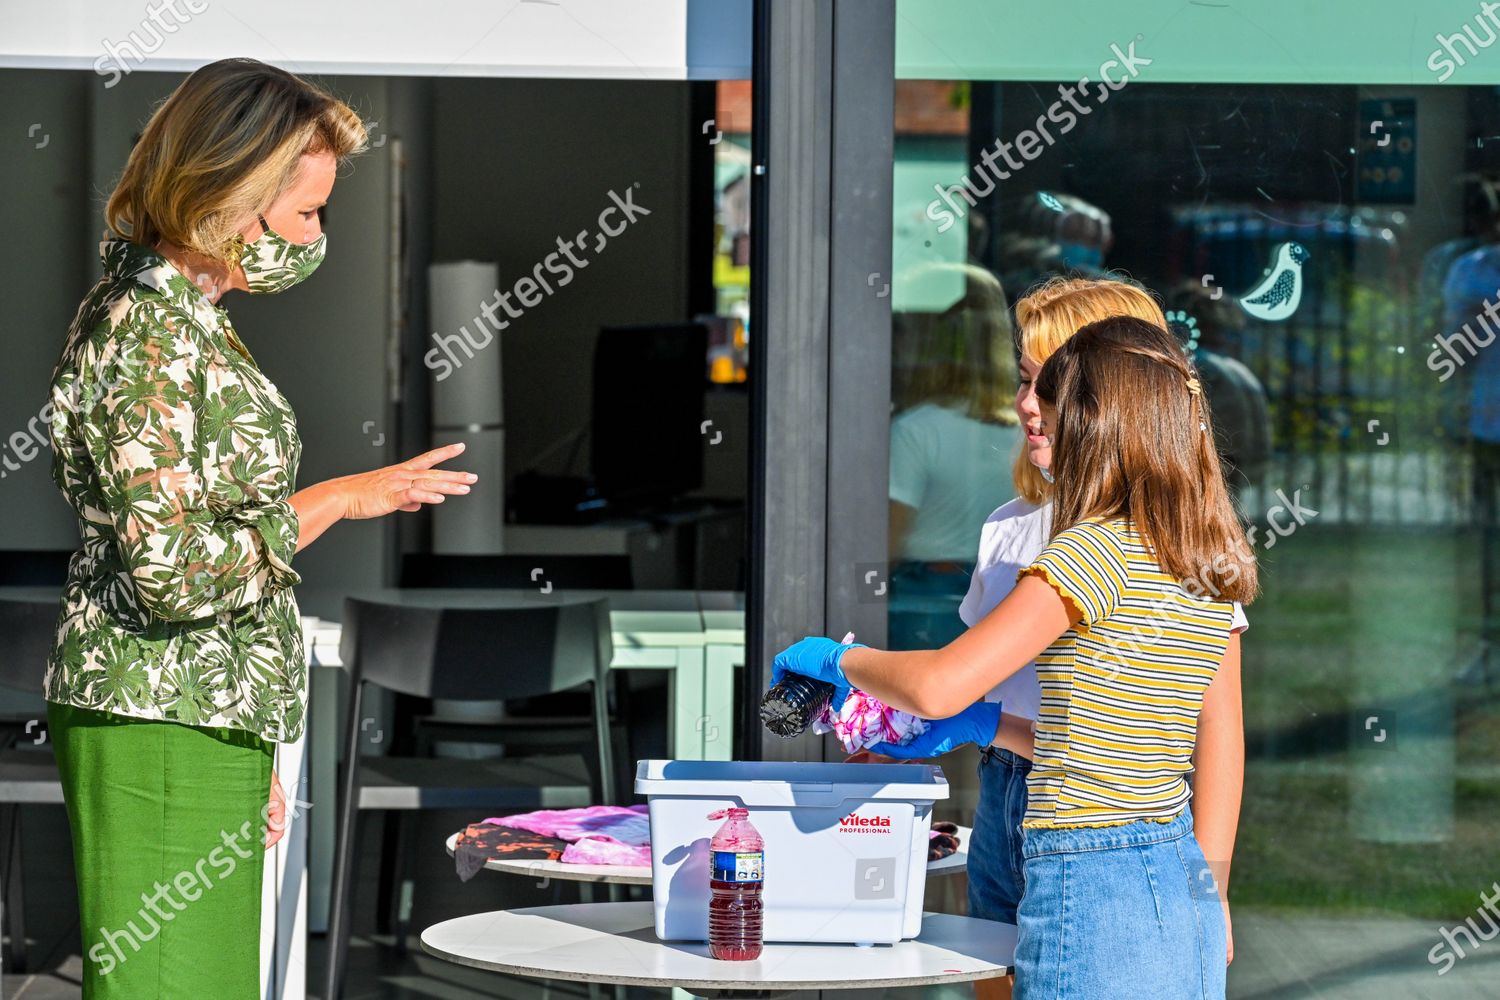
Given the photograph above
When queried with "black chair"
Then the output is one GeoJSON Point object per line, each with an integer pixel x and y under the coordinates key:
{"type": "Point", "coordinates": [463, 654]}
{"type": "Point", "coordinates": [561, 719]}
{"type": "Point", "coordinates": [28, 770]}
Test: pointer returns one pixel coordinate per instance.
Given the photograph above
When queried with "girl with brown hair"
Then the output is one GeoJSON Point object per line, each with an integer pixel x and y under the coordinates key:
{"type": "Point", "coordinates": [1128, 613]}
{"type": "Point", "coordinates": [1012, 537]}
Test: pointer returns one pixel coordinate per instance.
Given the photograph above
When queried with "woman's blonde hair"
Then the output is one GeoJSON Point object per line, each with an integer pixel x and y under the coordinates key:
{"type": "Point", "coordinates": [962, 356]}
{"type": "Point", "coordinates": [1050, 313]}
{"type": "Point", "coordinates": [220, 149]}
{"type": "Point", "coordinates": [1133, 438]}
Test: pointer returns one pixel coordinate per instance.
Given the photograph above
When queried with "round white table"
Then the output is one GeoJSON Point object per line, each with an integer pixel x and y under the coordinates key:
{"type": "Point", "coordinates": [544, 871]}
{"type": "Point", "coordinates": [616, 943]}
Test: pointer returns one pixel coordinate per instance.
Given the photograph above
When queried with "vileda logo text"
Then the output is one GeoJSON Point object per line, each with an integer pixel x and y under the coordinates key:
{"type": "Point", "coordinates": [865, 824]}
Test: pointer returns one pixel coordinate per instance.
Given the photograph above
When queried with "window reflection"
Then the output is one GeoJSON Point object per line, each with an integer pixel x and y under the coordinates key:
{"type": "Point", "coordinates": [953, 434]}
{"type": "Point", "coordinates": [1212, 331]}
{"type": "Point", "coordinates": [1341, 296]}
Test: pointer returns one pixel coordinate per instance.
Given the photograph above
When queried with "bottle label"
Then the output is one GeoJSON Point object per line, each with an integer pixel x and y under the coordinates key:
{"type": "Point", "coordinates": [730, 866]}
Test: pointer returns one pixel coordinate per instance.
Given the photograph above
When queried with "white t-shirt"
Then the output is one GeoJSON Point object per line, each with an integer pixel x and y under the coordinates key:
{"type": "Point", "coordinates": [1010, 540]}
{"type": "Point", "coordinates": [950, 468]}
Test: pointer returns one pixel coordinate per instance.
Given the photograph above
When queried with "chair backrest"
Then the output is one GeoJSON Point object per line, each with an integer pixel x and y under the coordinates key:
{"type": "Point", "coordinates": [424, 569]}
{"type": "Point", "coordinates": [476, 654]}
{"type": "Point", "coordinates": [27, 631]}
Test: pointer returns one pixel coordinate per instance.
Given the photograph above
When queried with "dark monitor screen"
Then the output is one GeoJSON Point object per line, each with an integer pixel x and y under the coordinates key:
{"type": "Point", "coordinates": [649, 382]}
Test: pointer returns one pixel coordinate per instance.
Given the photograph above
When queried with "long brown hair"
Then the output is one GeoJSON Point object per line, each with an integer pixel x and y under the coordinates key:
{"type": "Point", "coordinates": [1134, 438]}
{"type": "Point", "coordinates": [1050, 313]}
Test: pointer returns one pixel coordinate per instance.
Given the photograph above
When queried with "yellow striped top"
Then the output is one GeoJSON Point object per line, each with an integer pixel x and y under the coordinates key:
{"type": "Point", "coordinates": [1122, 688]}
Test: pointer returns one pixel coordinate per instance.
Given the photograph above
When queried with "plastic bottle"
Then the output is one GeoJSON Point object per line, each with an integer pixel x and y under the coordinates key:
{"type": "Point", "coordinates": [796, 703]}
{"type": "Point", "coordinates": [791, 706]}
{"type": "Point", "coordinates": [734, 906]}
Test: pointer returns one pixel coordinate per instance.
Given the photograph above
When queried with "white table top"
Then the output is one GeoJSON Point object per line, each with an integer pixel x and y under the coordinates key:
{"type": "Point", "coordinates": [616, 943]}
{"type": "Point", "coordinates": [542, 870]}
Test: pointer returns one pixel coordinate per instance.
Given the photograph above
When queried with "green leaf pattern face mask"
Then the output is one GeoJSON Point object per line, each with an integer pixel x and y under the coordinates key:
{"type": "Point", "coordinates": [274, 263]}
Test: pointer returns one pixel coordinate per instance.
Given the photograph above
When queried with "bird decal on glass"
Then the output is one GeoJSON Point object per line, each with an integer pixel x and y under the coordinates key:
{"type": "Point", "coordinates": [1280, 291]}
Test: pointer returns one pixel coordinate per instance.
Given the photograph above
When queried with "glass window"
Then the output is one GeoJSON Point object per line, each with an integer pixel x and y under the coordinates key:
{"type": "Point", "coordinates": [1330, 255]}
{"type": "Point", "coordinates": [728, 348]}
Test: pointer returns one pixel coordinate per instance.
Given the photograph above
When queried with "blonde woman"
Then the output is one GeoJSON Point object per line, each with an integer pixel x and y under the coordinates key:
{"type": "Point", "coordinates": [178, 663]}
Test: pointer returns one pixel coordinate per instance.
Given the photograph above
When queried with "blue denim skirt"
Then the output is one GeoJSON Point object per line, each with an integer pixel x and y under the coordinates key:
{"type": "Point", "coordinates": [995, 877]}
{"type": "Point", "coordinates": [1119, 912]}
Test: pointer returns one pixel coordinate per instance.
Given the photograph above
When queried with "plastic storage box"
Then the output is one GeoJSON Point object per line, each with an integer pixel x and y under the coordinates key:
{"type": "Point", "coordinates": [846, 844]}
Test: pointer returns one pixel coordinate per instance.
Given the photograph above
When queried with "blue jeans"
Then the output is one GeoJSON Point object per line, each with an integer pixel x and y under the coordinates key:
{"type": "Point", "coordinates": [1120, 911]}
{"type": "Point", "coordinates": [995, 876]}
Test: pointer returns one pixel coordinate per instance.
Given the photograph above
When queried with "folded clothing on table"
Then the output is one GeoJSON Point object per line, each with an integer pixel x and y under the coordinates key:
{"type": "Point", "coordinates": [942, 841]}
{"type": "Point", "coordinates": [595, 835]}
{"type": "Point", "coordinates": [482, 842]}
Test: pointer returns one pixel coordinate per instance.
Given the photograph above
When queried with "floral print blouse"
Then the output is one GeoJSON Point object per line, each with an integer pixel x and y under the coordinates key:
{"type": "Point", "coordinates": [178, 456]}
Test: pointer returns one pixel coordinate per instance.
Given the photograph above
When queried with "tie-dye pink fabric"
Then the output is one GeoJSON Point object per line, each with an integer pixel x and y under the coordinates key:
{"type": "Point", "coordinates": [597, 835]}
{"type": "Point", "coordinates": [865, 720]}
{"type": "Point", "coordinates": [599, 851]}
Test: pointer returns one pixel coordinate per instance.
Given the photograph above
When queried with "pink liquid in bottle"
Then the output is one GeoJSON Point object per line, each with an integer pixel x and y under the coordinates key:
{"type": "Point", "coordinates": [734, 909]}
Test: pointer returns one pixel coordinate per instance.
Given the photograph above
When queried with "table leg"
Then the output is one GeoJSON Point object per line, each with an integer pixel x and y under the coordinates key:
{"type": "Point", "coordinates": [284, 893]}
{"type": "Point", "coordinates": [711, 730]}
{"type": "Point", "coordinates": [718, 700]}
{"type": "Point", "coordinates": [689, 724]}
{"type": "Point", "coordinates": [322, 740]}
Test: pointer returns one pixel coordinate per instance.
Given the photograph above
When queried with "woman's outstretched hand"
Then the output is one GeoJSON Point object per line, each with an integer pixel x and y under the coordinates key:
{"type": "Point", "coordinates": [406, 486]}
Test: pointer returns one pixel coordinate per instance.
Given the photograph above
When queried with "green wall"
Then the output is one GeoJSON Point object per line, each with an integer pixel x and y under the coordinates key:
{"type": "Point", "coordinates": [1218, 41]}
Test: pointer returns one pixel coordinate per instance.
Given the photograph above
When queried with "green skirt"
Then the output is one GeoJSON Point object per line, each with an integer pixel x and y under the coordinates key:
{"type": "Point", "coordinates": [168, 831]}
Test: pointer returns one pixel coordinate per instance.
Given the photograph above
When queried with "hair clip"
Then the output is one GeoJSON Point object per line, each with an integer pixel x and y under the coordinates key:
{"type": "Point", "coordinates": [1193, 386]}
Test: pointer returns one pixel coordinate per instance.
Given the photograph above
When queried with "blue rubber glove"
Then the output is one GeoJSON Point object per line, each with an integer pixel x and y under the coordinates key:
{"type": "Point", "coordinates": [976, 724]}
{"type": "Point", "coordinates": [817, 657]}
